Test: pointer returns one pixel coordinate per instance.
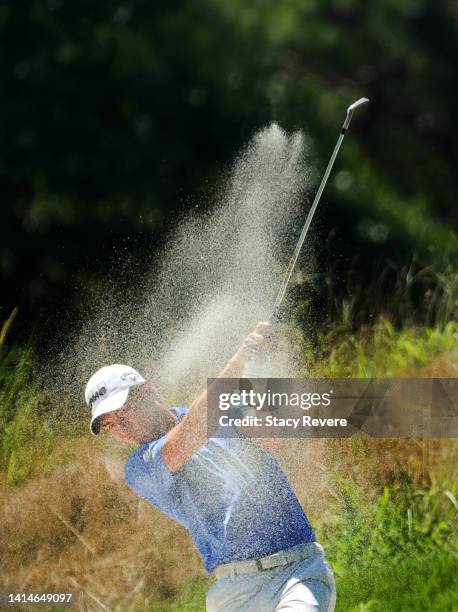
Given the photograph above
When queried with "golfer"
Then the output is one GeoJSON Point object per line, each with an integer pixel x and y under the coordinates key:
{"type": "Point", "coordinates": [229, 492]}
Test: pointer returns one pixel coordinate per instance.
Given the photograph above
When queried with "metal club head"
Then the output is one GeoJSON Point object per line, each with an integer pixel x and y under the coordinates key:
{"type": "Point", "coordinates": [351, 109]}
{"type": "Point", "coordinates": [359, 102]}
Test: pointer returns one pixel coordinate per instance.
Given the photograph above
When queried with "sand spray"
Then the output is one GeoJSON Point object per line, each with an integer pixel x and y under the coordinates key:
{"type": "Point", "coordinates": [216, 277]}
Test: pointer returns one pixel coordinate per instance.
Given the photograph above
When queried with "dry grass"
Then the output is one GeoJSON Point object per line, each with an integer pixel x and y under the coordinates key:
{"type": "Point", "coordinates": [81, 529]}
{"type": "Point", "coordinates": [445, 366]}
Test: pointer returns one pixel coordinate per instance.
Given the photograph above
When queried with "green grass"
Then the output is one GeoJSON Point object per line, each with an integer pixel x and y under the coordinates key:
{"type": "Point", "coordinates": [25, 442]}
{"type": "Point", "coordinates": [190, 599]}
{"type": "Point", "coordinates": [380, 350]}
{"type": "Point", "coordinates": [395, 551]}
{"type": "Point", "coordinates": [423, 582]}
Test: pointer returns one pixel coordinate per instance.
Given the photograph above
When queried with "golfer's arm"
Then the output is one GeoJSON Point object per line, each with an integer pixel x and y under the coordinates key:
{"type": "Point", "coordinates": [189, 435]}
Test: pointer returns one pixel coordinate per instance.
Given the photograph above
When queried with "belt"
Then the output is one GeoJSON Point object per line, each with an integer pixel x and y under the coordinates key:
{"type": "Point", "coordinates": [283, 557]}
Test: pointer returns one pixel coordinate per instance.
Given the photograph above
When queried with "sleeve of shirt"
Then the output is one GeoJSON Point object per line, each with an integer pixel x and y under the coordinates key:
{"type": "Point", "coordinates": [146, 472]}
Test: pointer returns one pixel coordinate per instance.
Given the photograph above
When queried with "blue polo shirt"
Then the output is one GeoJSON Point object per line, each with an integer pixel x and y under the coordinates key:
{"type": "Point", "coordinates": [231, 495]}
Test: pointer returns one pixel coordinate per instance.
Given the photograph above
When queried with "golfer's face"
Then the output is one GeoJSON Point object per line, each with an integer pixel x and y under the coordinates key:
{"type": "Point", "coordinates": [136, 420]}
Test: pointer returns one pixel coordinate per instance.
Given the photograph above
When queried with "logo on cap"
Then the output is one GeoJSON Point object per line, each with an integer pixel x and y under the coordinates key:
{"type": "Point", "coordinates": [129, 376]}
{"type": "Point", "coordinates": [100, 391]}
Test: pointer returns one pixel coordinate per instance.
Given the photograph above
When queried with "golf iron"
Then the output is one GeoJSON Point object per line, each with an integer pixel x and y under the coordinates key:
{"type": "Point", "coordinates": [305, 229]}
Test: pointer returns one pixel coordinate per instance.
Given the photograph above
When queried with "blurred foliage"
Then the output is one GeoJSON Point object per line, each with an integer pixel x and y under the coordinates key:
{"type": "Point", "coordinates": [6, 327]}
{"type": "Point", "coordinates": [26, 438]}
{"type": "Point", "coordinates": [418, 294]}
{"type": "Point", "coordinates": [114, 115]}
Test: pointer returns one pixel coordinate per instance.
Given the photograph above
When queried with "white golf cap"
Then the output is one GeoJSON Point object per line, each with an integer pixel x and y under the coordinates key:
{"type": "Point", "coordinates": [108, 389]}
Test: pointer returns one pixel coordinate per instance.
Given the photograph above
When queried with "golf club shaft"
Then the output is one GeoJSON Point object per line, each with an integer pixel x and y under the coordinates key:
{"type": "Point", "coordinates": [308, 221]}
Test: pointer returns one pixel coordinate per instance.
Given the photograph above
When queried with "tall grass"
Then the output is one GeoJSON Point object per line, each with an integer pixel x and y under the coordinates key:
{"type": "Point", "coordinates": [413, 294]}
{"type": "Point", "coordinates": [25, 441]}
{"type": "Point", "coordinates": [403, 521]}
{"type": "Point", "coordinates": [379, 350]}
{"type": "Point", "coordinates": [397, 551]}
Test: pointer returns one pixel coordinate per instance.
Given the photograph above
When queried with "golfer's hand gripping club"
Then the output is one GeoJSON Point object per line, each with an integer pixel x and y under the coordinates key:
{"type": "Point", "coordinates": [254, 351]}
{"type": "Point", "coordinates": [254, 344]}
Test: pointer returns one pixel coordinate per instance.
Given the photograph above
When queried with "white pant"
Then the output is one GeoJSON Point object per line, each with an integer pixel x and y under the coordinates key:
{"type": "Point", "coordinates": [304, 586]}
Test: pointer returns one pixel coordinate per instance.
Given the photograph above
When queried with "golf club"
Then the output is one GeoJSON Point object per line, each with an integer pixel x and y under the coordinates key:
{"type": "Point", "coordinates": [305, 229]}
